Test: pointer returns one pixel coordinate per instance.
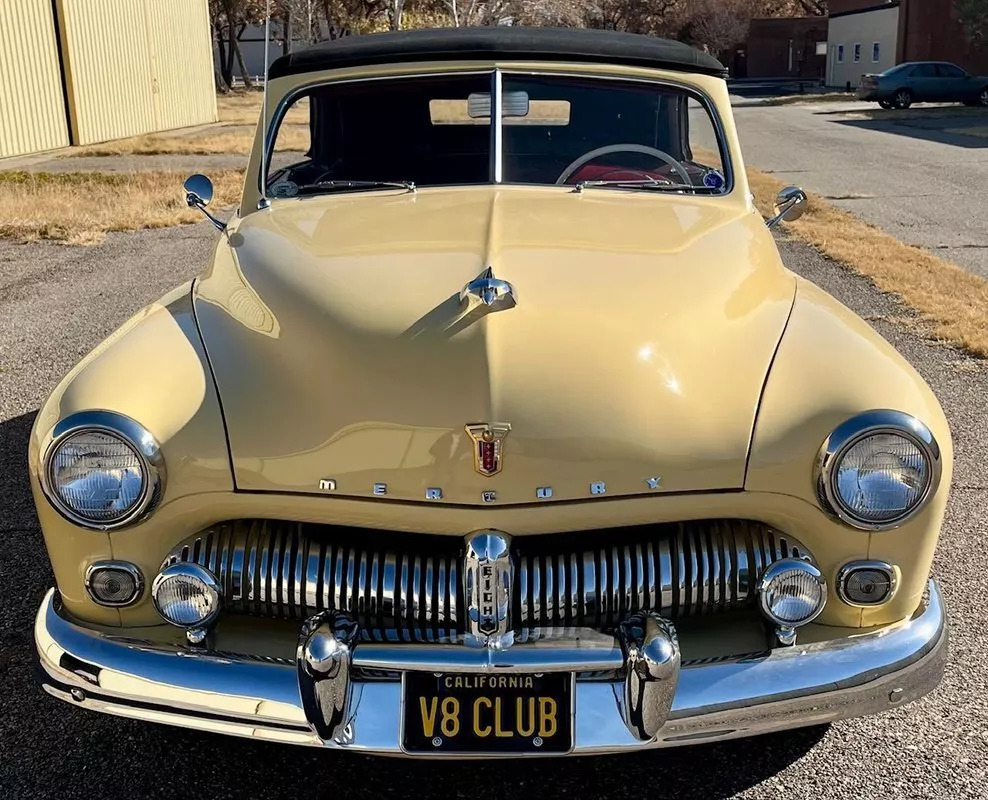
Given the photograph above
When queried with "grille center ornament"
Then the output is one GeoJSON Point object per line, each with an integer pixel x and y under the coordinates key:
{"type": "Point", "coordinates": [487, 290]}
{"type": "Point", "coordinates": [488, 574]}
{"type": "Point", "coordinates": [487, 439]}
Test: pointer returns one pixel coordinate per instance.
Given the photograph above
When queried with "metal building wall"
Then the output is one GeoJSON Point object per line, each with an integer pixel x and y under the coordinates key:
{"type": "Point", "coordinates": [135, 66]}
{"type": "Point", "coordinates": [182, 63]}
{"type": "Point", "coordinates": [32, 104]}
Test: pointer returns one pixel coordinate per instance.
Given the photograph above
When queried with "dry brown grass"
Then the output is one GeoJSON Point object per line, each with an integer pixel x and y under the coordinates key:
{"type": "Point", "coordinates": [216, 142]}
{"type": "Point", "coordinates": [243, 108]}
{"type": "Point", "coordinates": [82, 207]}
{"type": "Point", "coordinates": [952, 303]}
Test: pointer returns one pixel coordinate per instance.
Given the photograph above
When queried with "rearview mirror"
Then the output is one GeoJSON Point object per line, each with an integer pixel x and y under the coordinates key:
{"type": "Point", "coordinates": [513, 104]}
{"type": "Point", "coordinates": [790, 204]}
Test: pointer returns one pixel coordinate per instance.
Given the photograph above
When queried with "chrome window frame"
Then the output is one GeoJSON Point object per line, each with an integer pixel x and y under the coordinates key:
{"type": "Point", "coordinates": [495, 176]}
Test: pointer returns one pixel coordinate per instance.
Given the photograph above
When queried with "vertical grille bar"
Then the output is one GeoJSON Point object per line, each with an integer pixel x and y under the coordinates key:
{"type": "Point", "coordinates": [292, 570]}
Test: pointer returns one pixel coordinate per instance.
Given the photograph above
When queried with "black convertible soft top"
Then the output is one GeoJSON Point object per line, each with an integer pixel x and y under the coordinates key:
{"type": "Point", "coordinates": [510, 42]}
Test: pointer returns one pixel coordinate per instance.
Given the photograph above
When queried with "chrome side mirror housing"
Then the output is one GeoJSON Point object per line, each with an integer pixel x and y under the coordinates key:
{"type": "Point", "coordinates": [199, 194]}
{"type": "Point", "coordinates": [790, 204]}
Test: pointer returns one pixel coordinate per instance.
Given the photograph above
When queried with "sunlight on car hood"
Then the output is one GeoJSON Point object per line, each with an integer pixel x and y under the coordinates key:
{"type": "Point", "coordinates": [642, 332]}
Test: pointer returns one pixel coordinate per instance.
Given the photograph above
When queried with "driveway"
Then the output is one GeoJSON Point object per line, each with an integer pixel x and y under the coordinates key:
{"type": "Point", "coordinates": [920, 178]}
{"type": "Point", "coordinates": [58, 302]}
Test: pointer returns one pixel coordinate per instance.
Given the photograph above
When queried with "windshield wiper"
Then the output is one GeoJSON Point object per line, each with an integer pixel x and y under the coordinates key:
{"type": "Point", "coordinates": [354, 186]}
{"type": "Point", "coordinates": [651, 184]}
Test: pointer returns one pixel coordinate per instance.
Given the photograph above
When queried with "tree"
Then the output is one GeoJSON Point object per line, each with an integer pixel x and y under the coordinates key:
{"type": "Point", "coordinates": [973, 17]}
{"type": "Point", "coordinates": [229, 20]}
{"type": "Point", "coordinates": [479, 12]}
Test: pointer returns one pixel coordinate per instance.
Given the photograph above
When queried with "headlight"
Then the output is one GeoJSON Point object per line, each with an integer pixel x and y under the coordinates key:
{"type": "Point", "coordinates": [792, 592]}
{"type": "Point", "coordinates": [186, 595]}
{"type": "Point", "coordinates": [878, 469]}
{"type": "Point", "coordinates": [102, 470]}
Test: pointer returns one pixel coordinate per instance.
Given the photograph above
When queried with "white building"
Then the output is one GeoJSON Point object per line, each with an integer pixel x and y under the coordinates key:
{"type": "Point", "coordinates": [860, 41]}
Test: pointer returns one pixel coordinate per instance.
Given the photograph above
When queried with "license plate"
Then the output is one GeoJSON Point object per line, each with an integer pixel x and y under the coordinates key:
{"type": "Point", "coordinates": [471, 713]}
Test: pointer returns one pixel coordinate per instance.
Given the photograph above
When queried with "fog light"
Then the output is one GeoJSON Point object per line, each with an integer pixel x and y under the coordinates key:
{"type": "Point", "coordinates": [866, 583]}
{"type": "Point", "coordinates": [186, 595]}
{"type": "Point", "coordinates": [114, 583]}
{"type": "Point", "coordinates": [791, 593]}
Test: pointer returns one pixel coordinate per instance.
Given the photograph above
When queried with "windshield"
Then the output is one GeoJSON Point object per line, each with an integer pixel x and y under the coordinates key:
{"type": "Point", "coordinates": [389, 134]}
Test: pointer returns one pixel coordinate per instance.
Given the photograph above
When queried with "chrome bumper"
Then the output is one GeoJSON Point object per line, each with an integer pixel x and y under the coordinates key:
{"type": "Point", "coordinates": [784, 688]}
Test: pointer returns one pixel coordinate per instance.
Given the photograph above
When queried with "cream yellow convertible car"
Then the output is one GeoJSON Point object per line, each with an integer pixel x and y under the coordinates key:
{"type": "Point", "coordinates": [496, 426]}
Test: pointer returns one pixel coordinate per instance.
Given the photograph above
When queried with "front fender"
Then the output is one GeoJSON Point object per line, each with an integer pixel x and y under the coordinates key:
{"type": "Point", "coordinates": [154, 370]}
{"type": "Point", "coordinates": [830, 366]}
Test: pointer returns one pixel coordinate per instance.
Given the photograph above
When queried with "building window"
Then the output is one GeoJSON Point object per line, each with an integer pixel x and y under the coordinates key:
{"type": "Point", "coordinates": [876, 52]}
{"type": "Point", "coordinates": [857, 53]}
{"type": "Point", "coordinates": [840, 54]}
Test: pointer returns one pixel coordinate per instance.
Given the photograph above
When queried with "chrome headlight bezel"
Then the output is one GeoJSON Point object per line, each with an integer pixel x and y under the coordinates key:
{"type": "Point", "coordinates": [851, 432]}
{"type": "Point", "coordinates": [135, 436]}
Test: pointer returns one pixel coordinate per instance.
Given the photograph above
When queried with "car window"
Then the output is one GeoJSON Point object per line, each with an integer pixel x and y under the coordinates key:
{"type": "Point", "coordinates": [383, 130]}
{"type": "Point", "coordinates": [436, 130]}
{"type": "Point", "coordinates": [900, 68]}
{"type": "Point", "coordinates": [616, 131]}
{"type": "Point", "coordinates": [950, 71]}
{"type": "Point", "coordinates": [924, 71]}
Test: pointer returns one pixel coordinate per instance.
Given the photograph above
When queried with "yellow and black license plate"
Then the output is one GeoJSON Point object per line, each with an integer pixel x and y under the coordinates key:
{"type": "Point", "coordinates": [471, 713]}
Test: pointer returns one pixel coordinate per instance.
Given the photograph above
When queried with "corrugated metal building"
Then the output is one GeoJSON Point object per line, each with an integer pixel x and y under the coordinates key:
{"type": "Point", "coordinates": [84, 71]}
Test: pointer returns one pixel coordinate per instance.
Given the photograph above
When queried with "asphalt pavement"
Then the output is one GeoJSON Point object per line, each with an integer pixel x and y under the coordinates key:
{"type": "Point", "coordinates": [920, 178]}
{"type": "Point", "coordinates": [57, 302]}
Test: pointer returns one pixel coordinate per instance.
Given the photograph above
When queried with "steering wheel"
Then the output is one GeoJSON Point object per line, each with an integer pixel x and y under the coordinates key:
{"type": "Point", "coordinates": [567, 173]}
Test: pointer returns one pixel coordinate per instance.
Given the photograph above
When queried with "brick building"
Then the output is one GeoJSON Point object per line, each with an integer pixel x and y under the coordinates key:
{"type": "Point", "coordinates": [929, 31]}
{"type": "Point", "coordinates": [791, 47]}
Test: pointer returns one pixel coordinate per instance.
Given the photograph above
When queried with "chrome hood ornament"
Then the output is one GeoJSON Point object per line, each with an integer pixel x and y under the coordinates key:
{"type": "Point", "coordinates": [492, 292]}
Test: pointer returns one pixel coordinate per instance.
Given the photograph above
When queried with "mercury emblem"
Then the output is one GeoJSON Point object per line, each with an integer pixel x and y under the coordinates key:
{"type": "Point", "coordinates": [487, 438]}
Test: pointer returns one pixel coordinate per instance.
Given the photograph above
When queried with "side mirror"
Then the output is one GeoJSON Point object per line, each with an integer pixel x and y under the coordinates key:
{"type": "Point", "coordinates": [790, 204]}
{"type": "Point", "coordinates": [199, 194]}
{"type": "Point", "coordinates": [198, 190]}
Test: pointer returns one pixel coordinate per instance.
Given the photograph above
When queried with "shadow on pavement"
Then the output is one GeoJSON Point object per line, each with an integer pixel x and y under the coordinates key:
{"type": "Point", "coordinates": [946, 130]}
{"type": "Point", "coordinates": [50, 749]}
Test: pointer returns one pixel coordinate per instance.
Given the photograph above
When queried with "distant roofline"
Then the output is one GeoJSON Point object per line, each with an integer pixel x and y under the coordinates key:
{"type": "Point", "coordinates": [875, 7]}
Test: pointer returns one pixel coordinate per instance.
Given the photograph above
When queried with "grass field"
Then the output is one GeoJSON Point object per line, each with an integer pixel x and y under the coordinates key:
{"type": "Point", "coordinates": [82, 207]}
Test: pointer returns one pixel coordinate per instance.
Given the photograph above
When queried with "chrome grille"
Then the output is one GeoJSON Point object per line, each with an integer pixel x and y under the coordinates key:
{"type": "Point", "coordinates": [406, 587]}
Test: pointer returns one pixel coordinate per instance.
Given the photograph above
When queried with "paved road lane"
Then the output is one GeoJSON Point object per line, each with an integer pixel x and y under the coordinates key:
{"type": "Point", "coordinates": [920, 184]}
{"type": "Point", "coordinates": [57, 302]}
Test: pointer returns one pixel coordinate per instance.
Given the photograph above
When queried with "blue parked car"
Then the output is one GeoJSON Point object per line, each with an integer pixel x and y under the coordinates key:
{"type": "Point", "coordinates": [924, 81]}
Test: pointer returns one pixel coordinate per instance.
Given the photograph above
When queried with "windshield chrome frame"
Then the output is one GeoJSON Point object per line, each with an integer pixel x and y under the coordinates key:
{"type": "Point", "coordinates": [496, 173]}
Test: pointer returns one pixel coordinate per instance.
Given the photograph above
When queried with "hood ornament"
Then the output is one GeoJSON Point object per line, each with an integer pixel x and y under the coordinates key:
{"type": "Point", "coordinates": [492, 292]}
{"type": "Point", "coordinates": [487, 440]}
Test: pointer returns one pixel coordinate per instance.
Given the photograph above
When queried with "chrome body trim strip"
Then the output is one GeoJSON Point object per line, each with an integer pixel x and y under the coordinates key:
{"type": "Point", "coordinates": [782, 688]}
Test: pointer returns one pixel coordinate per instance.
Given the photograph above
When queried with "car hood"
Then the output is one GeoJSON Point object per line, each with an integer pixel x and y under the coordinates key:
{"type": "Point", "coordinates": [638, 347]}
